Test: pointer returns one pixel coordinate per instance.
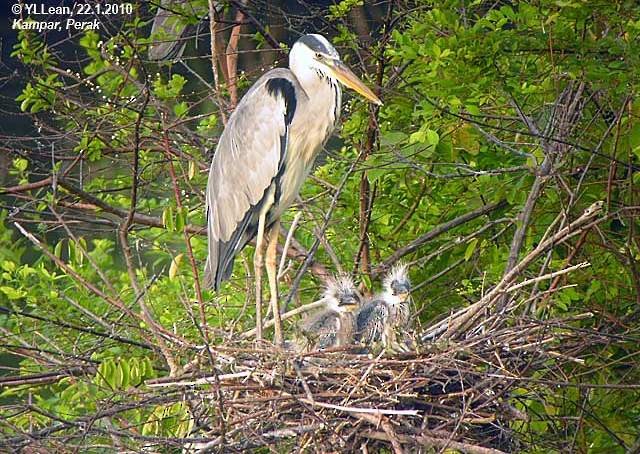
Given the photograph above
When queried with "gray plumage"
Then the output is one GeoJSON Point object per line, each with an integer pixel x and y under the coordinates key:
{"type": "Point", "coordinates": [382, 316]}
{"type": "Point", "coordinates": [334, 325]}
{"type": "Point", "coordinates": [265, 153]}
{"type": "Point", "coordinates": [170, 28]}
{"type": "Point", "coordinates": [371, 320]}
{"type": "Point", "coordinates": [249, 160]}
{"type": "Point", "coordinates": [263, 156]}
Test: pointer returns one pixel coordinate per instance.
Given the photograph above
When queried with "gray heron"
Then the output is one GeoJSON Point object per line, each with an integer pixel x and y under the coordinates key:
{"type": "Point", "coordinates": [170, 28]}
{"type": "Point", "coordinates": [382, 316]}
{"type": "Point", "coordinates": [265, 152]}
{"type": "Point", "coordinates": [335, 324]}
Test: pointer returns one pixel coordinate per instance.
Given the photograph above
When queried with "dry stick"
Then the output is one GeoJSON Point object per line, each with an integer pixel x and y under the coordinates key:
{"type": "Point", "coordinates": [126, 250]}
{"type": "Point", "coordinates": [567, 232]}
{"type": "Point", "coordinates": [264, 438]}
{"type": "Point", "coordinates": [569, 115]}
{"type": "Point", "coordinates": [542, 173]}
{"type": "Point", "coordinates": [544, 277]}
{"type": "Point", "coordinates": [316, 243]}
{"type": "Point", "coordinates": [388, 430]}
{"type": "Point", "coordinates": [198, 381]}
{"type": "Point", "coordinates": [287, 315]}
{"type": "Point", "coordinates": [458, 320]}
{"type": "Point", "coordinates": [287, 243]}
{"type": "Point", "coordinates": [360, 410]}
{"type": "Point", "coordinates": [434, 442]}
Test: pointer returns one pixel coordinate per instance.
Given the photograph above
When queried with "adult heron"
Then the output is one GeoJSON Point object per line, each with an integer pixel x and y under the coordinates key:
{"type": "Point", "coordinates": [265, 153]}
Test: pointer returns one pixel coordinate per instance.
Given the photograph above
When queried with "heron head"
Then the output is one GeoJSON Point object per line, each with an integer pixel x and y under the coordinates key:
{"type": "Point", "coordinates": [315, 52]}
{"type": "Point", "coordinates": [397, 282]}
{"type": "Point", "coordinates": [341, 294]}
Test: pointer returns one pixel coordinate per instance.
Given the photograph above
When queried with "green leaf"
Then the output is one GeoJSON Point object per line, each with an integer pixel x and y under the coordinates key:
{"type": "Point", "coordinates": [471, 247]}
{"type": "Point", "coordinates": [175, 264]}
{"type": "Point", "coordinates": [432, 137]}
{"type": "Point", "coordinates": [12, 293]}
{"type": "Point", "coordinates": [168, 219]}
{"type": "Point", "coordinates": [634, 139]}
{"type": "Point", "coordinates": [20, 164]}
{"type": "Point", "coordinates": [8, 266]}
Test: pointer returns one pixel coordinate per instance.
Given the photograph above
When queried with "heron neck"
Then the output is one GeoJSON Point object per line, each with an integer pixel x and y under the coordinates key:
{"type": "Point", "coordinates": [311, 79]}
{"type": "Point", "coordinates": [391, 299]}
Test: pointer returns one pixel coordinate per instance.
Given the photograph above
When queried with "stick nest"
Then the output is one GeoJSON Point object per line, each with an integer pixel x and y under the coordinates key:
{"type": "Point", "coordinates": [459, 393]}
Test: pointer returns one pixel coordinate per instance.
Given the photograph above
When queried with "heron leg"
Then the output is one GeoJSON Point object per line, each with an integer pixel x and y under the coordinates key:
{"type": "Point", "coordinates": [258, 262]}
{"type": "Point", "coordinates": [272, 273]}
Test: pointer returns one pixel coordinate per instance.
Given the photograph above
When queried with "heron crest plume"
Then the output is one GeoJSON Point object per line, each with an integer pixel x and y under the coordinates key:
{"type": "Point", "coordinates": [398, 273]}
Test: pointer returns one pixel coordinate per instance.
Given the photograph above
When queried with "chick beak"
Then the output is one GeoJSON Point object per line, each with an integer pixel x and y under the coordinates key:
{"type": "Point", "coordinates": [403, 296]}
{"type": "Point", "coordinates": [349, 303]}
{"type": "Point", "coordinates": [342, 72]}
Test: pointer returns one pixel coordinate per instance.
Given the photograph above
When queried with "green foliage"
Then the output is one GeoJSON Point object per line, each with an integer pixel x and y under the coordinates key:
{"type": "Point", "coordinates": [448, 140]}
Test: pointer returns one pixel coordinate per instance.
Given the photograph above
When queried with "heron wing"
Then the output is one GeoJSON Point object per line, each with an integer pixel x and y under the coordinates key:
{"type": "Point", "coordinates": [322, 328]}
{"type": "Point", "coordinates": [249, 159]}
{"type": "Point", "coordinates": [370, 321]}
{"type": "Point", "coordinates": [169, 29]}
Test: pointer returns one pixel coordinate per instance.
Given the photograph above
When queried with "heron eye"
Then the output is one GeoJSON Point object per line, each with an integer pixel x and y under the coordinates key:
{"type": "Point", "coordinates": [318, 56]}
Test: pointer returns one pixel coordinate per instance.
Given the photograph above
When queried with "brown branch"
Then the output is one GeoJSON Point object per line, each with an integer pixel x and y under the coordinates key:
{"type": "Point", "coordinates": [435, 232]}
{"type": "Point", "coordinates": [27, 187]}
{"type": "Point", "coordinates": [45, 378]}
{"type": "Point", "coordinates": [138, 218]}
{"type": "Point", "coordinates": [187, 239]}
{"type": "Point", "coordinates": [154, 326]}
{"type": "Point", "coordinates": [391, 435]}
{"type": "Point", "coordinates": [458, 321]}
{"type": "Point", "coordinates": [232, 59]}
{"type": "Point", "coordinates": [240, 4]}
{"type": "Point", "coordinates": [67, 269]}
{"type": "Point", "coordinates": [434, 442]}
{"type": "Point", "coordinates": [363, 259]}
{"type": "Point", "coordinates": [215, 57]}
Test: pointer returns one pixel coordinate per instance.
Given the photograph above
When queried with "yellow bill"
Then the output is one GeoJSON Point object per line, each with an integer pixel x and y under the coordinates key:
{"type": "Point", "coordinates": [350, 80]}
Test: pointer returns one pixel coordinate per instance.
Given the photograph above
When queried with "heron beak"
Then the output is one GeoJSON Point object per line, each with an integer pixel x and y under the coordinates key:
{"type": "Point", "coordinates": [349, 79]}
{"type": "Point", "coordinates": [403, 297]}
{"type": "Point", "coordinates": [349, 303]}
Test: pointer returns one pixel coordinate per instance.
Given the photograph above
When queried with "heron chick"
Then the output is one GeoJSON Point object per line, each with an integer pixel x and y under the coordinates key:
{"type": "Point", "coordinates": [265, 153]}
{"type": "Point", "coordinates": [335, 325]}
{"type": "Point", "coordinates": [384, 314]}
